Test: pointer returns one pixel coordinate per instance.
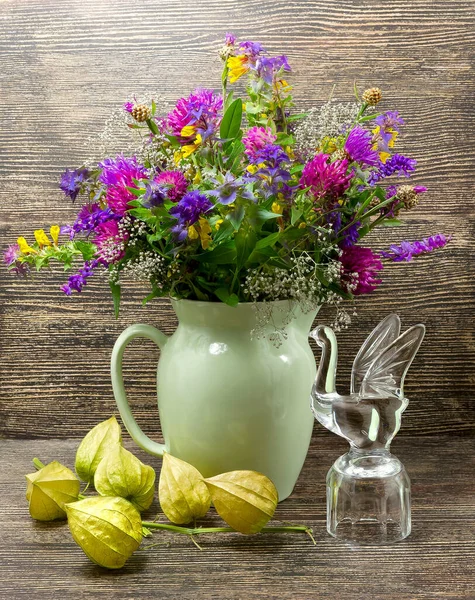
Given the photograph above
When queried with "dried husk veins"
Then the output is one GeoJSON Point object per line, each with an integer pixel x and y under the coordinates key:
{"type": "Point", "coordinates": [182, 493]}
{"type": "Point", "coordinates": [120, 473]}
{"type": "Point", "coordinates": [108, 529]}
{"type": "Point", "coordinates": [97, 443]}
{"type": "Point", "coordinates": [49, 489]}
{"type": "Point", "coordinates": [246, 500]}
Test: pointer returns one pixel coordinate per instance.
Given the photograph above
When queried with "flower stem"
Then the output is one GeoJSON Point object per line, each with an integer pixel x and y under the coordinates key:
{"type": "Point", "coordinates": [38, 464]}
{"type": "Point", "coordinates": [199, 530]}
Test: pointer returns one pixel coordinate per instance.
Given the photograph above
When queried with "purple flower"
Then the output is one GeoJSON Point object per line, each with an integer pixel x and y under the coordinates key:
{"type": "Point", "coordinates": [350, 235]}
{"type": "Point", "coordinates": [227, 192]}
{"type": "Point", "coordinates": [78, 281]}
{"type": "Point", "coordinates": [358, 146]}
{"type": "Point", "coordinates": [10, 258]}
{"type": "Point", "coordinates": [359, 268]}
{"type": "Point", "coordinates": [229, 39]}
{"type": "Point", "coordinates": [407, 250]}
{"type": "Point", "coordinates": [89, 217]}
{"type": "Point", "coordinates": [325, 179]}
{"type": "Point", "coordinates": [267, 67]}
{"type": "Point", "coordinates": [269, 154]}
{"type": "Point", "coordinates": [189, 209]}
{"type": "Point", "coordinates": [155, 194]}
{"type": "Point", "coordinates": [251, 49]}
{"type": "Point", "coordinates": [395, 165]}
{"type": "Point", "coordinates": [72, 181]}
{"type": "Point", "coordinates": [257, 138]}
{"type": "Point", "coordinates": [128, 106]}
{"type": "Point", "coordinates": [121, 171]}
{"type": "Point", "coordinates": [176, 182]}
{"type": "Point", "coordinates": [200, 113]}
{"type": "Point", "coordinates": [390, 120]}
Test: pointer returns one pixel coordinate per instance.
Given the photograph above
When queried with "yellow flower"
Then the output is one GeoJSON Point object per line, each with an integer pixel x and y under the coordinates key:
{"type": "Point", "coordinates": [302, 225]}
{"type": "Point", "coordinates": [252, 168]}
{"type": "Point", "coordinates": [177, 156]}
{"type": "Point", "coordinates": [41, 238]}
{"type": "Point", "coordinates": [24, 247]}
{"type": "Point", "coordinates": [328, 145]}
{"type": "Point", "coordinates": [237, 65]}
{"type": "Point", "coordinates": [197, 177]}
{"type": "Point", "coordinates": [384, 156]}
{"type": "Point", "coordinates": [190, 148]}
{"type": "Point", "coordinates": [277, 208]}
{"type": "Point", "coordinates": [54, 233]}
{"type": "Point", "coordinates": [218, 223]}
{"type": "Point", "coordinates": [205, 231]}
{"type": "Point", "coordinates": [193, 233]}
{"type": "Point", "coordinates": [188, 131]}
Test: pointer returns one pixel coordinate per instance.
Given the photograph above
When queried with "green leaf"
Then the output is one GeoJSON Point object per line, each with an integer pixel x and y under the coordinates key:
{"type": "Point", "coordinates": [224, 295]}
{"type": "Point", "coordinates": [229, 100]}
{"type": "Point", "coordinates": [284, 139]}
{"type": "Point", "coordinates": [265, 215]}
{"type": "Point", "coordinates": [86, 249]}
{"type": "Point", "coordinates": [115, 290]}
{"type": "Point", "coordinates": [154, 108]}
{"type": "Point", "coordinates": [245, 242]}
{"type": "Point", "coordinates": [295, 215]}
{"type": "Point", "coordinates": [225, 231]}
{"type": "Point", "coordinates": [270, 240]}
{"type": "Point", "coordinates": [152, 126]}
{"type": "Point", "coordinates": [135, 191]}
{"type": "Point", "coordinates": [236, 216]}
{"type": "Point", "coordinates": [391, 223]}
{"type": "Point", "coordinates": [231, 123]}
{"type": "Point", "coordinates": [224, 254]}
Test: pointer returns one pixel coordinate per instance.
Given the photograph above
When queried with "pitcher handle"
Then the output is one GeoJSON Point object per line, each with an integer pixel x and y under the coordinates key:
{"type": "Point", "coordinates": [129, 334]}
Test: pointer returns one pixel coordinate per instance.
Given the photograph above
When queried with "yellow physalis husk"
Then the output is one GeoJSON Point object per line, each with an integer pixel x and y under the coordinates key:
{"type": "Point", "coordinates": [246, 500]}
{"type": "Point", "coordinates": [182, 493]}
{"type": "Point", "coordinates": [98, 442]}
{"type": "Point", "coordinates": [49, 489]}
{"type": "Point", "coordinates": [108, 529]}
{"type": "Point", "coordinates": [120, 473]}
{"type": "Point", "coordinates": [41, 238]}
{"type": "Point", "coordinates": [54, 233]}
{"type": "Point", "coordinates": [24, 247]}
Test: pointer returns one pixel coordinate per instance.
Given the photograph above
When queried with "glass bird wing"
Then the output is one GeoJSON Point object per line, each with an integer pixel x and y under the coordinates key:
{"type": "Point", "coordinates": [379, 339]}
{"type": "Point", "coordinates": [385, 376]}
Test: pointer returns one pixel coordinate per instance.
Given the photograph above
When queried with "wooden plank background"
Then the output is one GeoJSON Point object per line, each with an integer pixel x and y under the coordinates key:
{"type": "Point", "coordinates": [65, 64]}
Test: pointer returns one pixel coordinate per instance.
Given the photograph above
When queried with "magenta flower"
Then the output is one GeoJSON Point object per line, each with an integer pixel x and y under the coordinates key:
{"type": "Point", "coordinates": [10, 258]}
{"type": "Point", "coordinates": [110, 242]}
{"type": "Point", "coordinates": [200, 113]}
{"type": "Point", "coordinates": [358, 146]}
{"type": "Point", "coordinates": [407, 250]}
{"type": "Point", "coordinates": [128, 106]}
{"type": "Point", "coordinates": [256, 138]}
{"type": "Point", "coordinates": [121, 170]}
{"type": "Point", "coordinates": [176, 182]}
{"type": "Point", "coordinates": [325, 179]}
{"type": "Point", "coordinates": [359, 267]}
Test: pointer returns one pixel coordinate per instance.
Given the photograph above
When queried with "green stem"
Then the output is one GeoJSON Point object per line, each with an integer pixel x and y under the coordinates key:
{"type": "Point", "coordinates": [38, 464]}
{"type": "Point", "coordinates": [200, 530]}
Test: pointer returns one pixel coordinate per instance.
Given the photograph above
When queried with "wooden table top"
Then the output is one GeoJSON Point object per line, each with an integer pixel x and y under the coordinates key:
{"type": "Point", "coordinates": [40, 560]}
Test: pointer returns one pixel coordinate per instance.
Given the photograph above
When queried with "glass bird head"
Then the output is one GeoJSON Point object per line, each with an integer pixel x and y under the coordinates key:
{"type": "Point", "coordinates": [370, 416]}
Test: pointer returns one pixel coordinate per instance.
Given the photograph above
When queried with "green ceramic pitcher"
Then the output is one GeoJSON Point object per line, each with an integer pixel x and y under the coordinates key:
{"type": "Point", "coordinates": [227, 398]}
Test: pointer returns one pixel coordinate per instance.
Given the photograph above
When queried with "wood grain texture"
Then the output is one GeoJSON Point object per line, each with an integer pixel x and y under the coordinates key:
{"type": "Point", "coordinates": [40, 560]}
{"type": "Point", "coordinates": [66, 64]}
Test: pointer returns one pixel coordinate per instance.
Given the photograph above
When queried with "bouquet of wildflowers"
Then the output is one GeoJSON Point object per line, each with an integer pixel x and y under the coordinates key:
{"type": "Point", "coordinates": [232, 200]}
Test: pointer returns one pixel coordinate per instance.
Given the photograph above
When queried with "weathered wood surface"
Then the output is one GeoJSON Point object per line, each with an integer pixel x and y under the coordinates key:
{"type": "Point", "coordinates": [40, 560]}
{"type": "Point", "coordinates": [65, 64]}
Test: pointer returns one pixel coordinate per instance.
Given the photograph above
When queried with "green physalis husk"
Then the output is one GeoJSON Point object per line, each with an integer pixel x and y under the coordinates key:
{"type": "Point", "coordinates": [102, 438]}
{"type": "Point", "coordinates": [182, 493]}
{"type": "Point", "coordinates": [49, 489]}
{"type": "Point", "coordinates": [108, 529]}
{"type": "Point", "coordinates": [246, 500]}
{"type": "Point", "coordinates": [120, 473]}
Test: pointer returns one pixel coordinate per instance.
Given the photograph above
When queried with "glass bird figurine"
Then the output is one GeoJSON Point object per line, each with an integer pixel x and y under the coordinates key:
{"type": "Point", "coordinates": [368, 489]}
